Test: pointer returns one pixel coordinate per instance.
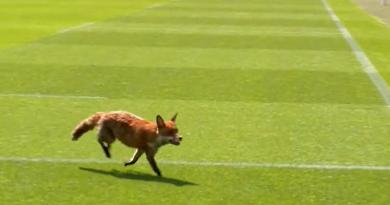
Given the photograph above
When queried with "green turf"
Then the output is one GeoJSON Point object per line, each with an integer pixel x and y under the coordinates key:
{"type": "Point", "coordinates": [261, 81]}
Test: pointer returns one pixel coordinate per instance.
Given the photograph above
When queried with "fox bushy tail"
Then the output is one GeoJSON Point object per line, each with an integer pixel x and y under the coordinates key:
{"type": "Point", "coordinates": [86, 125]}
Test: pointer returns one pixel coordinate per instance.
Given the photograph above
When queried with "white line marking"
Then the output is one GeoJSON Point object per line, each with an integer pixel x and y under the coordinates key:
{"type": "Point", "coordinates": [367, 65]}
{"type": "Point", "coordinates": [55, 160]}
{"type": "Point", "coordinates": [210, 164]}
{"type": "Point", "coordinates": [37, 95]}
{"type": "Point", "coordinates": [154, 6]}
{"type": "Point", "coordinates": [378, 19]}
{"type": "Point", "coordinates": [161, 4]}
{"type": "Point", "coordinates": [76, 27]}
{"type": "Point", "coordinates": [274, 165]}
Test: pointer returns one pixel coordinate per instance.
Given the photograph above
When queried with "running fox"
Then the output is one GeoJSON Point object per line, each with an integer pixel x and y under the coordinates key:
{"type": "Point", "coordinates": [132, 131]}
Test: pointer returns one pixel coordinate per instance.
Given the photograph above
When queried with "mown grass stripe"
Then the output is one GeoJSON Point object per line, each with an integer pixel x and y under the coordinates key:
{"type": "Point", "coordinates": [100, 56]}
{"type": "Point", "coordinates": [205, 29]}
{"type": "Point", "coordinates": [288, 6]}
{"type": "Point", "coordinates": [148, 39]}
{"type": "Point", "coordinates": [227, 20]}
{"type": "Point", "coordinates": [210, 164]}
{"type": "Point", "coordinates": [235, 15]}
{"type": "Point", "coordinates": [318, 87]}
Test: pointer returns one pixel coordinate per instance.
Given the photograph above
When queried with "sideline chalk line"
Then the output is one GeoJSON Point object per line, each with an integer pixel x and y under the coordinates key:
{"type": "Point", "coordinates": [37, 95]}
{"type": "Point", "coordinates": [73, 28]}
{"type": "Point", "coordinates": [363, 59]}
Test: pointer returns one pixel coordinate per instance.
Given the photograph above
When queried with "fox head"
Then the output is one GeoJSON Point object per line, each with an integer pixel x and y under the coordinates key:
{"type": "Point", "coordinates": [167, 131]}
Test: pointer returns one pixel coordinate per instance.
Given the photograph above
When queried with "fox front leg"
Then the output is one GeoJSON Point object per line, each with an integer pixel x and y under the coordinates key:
{"type": "Point", "coordinates": [152, 162]}
{"type": "Point", "coordinates": [137, 154]}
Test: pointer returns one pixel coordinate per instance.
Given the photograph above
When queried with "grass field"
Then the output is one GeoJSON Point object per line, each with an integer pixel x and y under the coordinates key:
{"type": "Point", "coordinates": [273, 106]}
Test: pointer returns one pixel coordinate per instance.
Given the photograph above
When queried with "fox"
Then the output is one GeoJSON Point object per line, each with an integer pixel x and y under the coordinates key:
{"type": "Point", "coordinates": [133, 131]}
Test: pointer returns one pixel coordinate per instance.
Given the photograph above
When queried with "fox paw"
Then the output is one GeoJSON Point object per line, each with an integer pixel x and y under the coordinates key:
{"type": "Point", "coordinates": [128, 163]}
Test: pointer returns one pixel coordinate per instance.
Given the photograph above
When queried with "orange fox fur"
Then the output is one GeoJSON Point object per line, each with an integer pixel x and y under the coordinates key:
{"type": "Point", "coordinates": [132, 131]}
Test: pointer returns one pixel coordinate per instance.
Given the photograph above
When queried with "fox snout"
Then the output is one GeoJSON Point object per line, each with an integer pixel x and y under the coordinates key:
{"type": "Point", "coordinates": [176, 140]}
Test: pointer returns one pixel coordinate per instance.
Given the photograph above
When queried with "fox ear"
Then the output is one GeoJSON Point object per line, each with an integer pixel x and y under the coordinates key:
{"type": "Point", "coordinates": [173, 119]}
{"type": "Point", "coordinates": [160, 121]}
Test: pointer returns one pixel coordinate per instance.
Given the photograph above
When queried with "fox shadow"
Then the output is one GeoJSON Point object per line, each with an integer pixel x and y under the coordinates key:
{"type": "Point", "coordinates": [134, 175]}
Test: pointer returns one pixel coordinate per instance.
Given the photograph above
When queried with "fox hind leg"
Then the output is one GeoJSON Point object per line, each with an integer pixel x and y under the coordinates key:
{"type": "Point", "coordinates": [106, 149]}
{"type": "Point", "coordinates": [105, 138]}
